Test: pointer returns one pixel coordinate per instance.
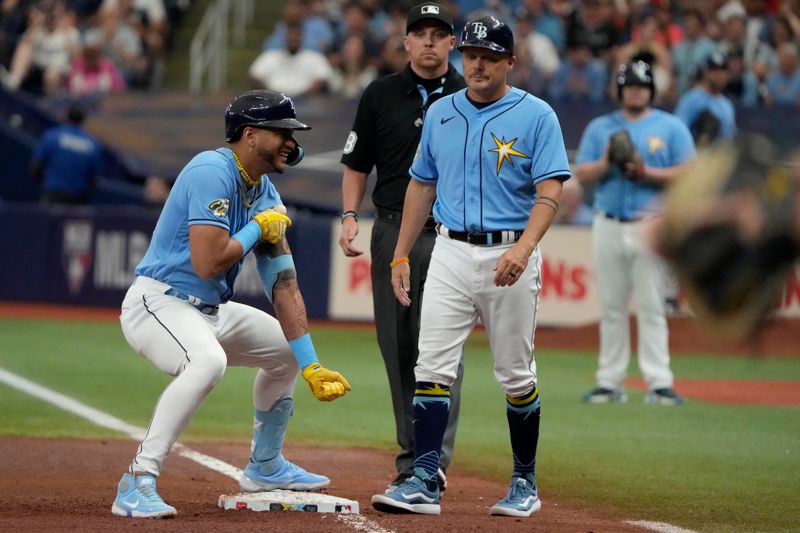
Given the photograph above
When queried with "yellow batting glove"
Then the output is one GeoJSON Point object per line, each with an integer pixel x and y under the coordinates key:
{"type": "Point", "coordinates": [326, 385]}
{"type": "Point", "coordinates": [273, 225]}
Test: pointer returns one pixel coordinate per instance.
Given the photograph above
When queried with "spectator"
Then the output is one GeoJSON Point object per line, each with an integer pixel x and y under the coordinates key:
{"type": "Point", "coordinates": [394, 56]}
{"type": "Point", "coordinates": [540, 49]}
{"type": "Point", "coordinates": [645, 47]}
{"type": "Point", "coordinates": [580, 77]}
{"type": "Point", "coordinates": [66, 161]}
{"type": "Point", "coordinates": [149, 19]}
{"type": "Point", "coordinates": [93, 74]}
{"type": "Point", "coordinates": [123, 44]}
{"type": "Point", "coordinates": [758, 56]}
{"type": "Point", "coordinates": [708, 98]}
{"type": "Point", "coordinates": [546, 22]}
{"type": "Point", "coordinates": [355, 24]}
{"type": "Point", "coordinates": [668, 33]}
{"type": "Point", "coordinates": [13, 23]}
{"type": "Point", "coordinates": [689, 56]}
{"type": "Point", "coordinates": [783, 84]}
{"type": "Point", "coordinates": [742, 87]}
{"type": "Point", "coordinates": [317, 30]}
{"type": "Point", "coordinates": [526, 75]}
{"type": "Point", "coordinates": [292, 71]}
{"type": "Point", "coordinates": [591, 22]}
{"type": "Point", "coordinates": [355, 73]}
{"type": "Point", "coordinates": [43, 56]}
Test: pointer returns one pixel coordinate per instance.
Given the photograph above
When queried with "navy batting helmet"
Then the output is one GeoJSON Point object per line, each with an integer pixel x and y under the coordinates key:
{"type": "Point", "coordinates": [263, 109]}
{"type": "Point", "coordinates": [487, 32]}
{"type": "Point", "coordinates": [260, 109]}
{"type": "Point", "coordinates": [636, 73]}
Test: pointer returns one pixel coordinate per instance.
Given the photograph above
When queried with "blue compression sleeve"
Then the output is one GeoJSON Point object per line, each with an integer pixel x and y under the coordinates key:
{"type": "Point", "coordinates": [268, 269]}
{"type": "Point", "coordinates": [249, 235]}
{"type": "Point", "coordinates": [304, 351]}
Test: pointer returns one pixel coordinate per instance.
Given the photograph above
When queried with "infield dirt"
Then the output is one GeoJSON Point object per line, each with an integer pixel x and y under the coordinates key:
{"type": "Point", "coordinates": [69, 485]}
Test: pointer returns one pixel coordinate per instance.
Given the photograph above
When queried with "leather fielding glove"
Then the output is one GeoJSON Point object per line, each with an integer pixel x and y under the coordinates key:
{"type": "Point", "coordinates": [326, 385]}
{"type": "Point", "coordinates": [273, 225]}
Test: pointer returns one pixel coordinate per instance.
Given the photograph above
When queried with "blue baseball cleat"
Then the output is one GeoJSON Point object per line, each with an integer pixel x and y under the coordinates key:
{"type": "Point", "coordinates": [137, 498]}
{"type": "Point", "coordinates": [287, 476]}
{"type": "Point", "coordinates": [522, 498]}
{"type": "Point", "coordinates": [412, 496]}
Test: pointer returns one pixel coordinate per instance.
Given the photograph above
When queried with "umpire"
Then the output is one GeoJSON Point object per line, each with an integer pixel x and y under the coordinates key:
{"type": "Point", "coordinates": [385, 134]}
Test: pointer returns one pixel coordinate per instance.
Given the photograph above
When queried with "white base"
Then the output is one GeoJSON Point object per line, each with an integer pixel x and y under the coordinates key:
{"type": "Point", "coordinates": [288, 500]}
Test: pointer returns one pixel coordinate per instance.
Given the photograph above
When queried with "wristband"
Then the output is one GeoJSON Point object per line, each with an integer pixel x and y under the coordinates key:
{"type": "Point", "coordinates": [397, 261]}
{"type": "Point", "coordinates": [350, 214]}
{"type": "Point", "coordinates": [304, 351]}
{"type": "Point", "coordinates": [248, 236]}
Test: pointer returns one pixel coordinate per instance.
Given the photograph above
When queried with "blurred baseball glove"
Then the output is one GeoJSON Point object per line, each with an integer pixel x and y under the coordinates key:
{"type": "Point", "coordinates": [730, 232]}
{"type": "Point", "coordinates": [622, 153]}
{"type": "Point", "coordinates": [705, 128]}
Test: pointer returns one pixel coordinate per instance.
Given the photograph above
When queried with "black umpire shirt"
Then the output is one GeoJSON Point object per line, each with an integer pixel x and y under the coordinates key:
{"type": "Point", "coordinates": [387, 129]}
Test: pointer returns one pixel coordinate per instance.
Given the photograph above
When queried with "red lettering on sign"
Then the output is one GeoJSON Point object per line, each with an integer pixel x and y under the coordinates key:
{"type": "Point", "coordinates": [578, 278]}
{"type": "Point", "coordinates": [561, 281]}
{"type": "Point", "coordinates": [360, 278]}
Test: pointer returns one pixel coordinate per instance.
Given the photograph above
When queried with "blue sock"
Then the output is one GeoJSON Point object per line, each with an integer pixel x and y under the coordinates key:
{"type": "Point", "coordinates": [268, 434]}
{"type": "Point", "coordinates": [431, 410]}
{"type": "Point", "coordinates": [523, 415]}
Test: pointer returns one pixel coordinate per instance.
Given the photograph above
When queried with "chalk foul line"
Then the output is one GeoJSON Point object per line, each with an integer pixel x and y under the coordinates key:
{"type": "Point", "coordinates": [102, 419]}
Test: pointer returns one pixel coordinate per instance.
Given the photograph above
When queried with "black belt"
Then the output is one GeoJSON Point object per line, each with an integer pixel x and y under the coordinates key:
{"type": "Point", "coordinates": [488, 238]}
{"type": "Point", "coordinates": [390, 215]}
{"type": "Point", "coordinates": [206, 309]}
{"type": "Point", "coordinates": [618, 219]}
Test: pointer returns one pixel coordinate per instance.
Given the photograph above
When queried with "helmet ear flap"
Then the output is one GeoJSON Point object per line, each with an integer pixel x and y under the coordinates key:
{"type": "Point", "coordinates": [296, 155]}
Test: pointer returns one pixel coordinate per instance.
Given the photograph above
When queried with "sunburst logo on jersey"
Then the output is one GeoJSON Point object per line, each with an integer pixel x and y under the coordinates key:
{"type": "Point", "coordinates": [654, 144]}
{"type": "Point", "coordinates": [505, 150]}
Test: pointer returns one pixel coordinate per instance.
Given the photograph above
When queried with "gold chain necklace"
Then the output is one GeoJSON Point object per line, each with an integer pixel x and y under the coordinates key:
{"type": "Point", "coordinates": [250, 181]}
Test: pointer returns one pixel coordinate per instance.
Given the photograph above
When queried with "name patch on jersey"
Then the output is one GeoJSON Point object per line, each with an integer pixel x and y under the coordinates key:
{"type": "Point", "coordinates": [350, 143]}
{"type": "Point", "coordinates": [505, 150]}
{"type": "Point", "coordinates": [219, 208]}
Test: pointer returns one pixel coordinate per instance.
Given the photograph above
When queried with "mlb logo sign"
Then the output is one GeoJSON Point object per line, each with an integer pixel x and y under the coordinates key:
{"type": "Point", "coordinates": [430, 10]}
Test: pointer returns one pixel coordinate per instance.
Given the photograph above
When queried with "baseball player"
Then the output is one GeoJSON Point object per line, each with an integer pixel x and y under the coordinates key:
{"type": "Point", "coordinates": [627, 191]}
{"type": "Point", "coordinates": [492, 158]}
{"type": "Point", "coordinates": [178, 313]}
{"type": "Point", "coordinates": [707, 112]}
{"type": "Point", "coordinates": [385, 134]}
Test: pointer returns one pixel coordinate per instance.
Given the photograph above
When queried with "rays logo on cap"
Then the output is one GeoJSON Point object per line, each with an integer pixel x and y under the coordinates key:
{"type": "Point", "coordinates": [430, 10]}
{"type": "Point", "coordinates": [640, 69]}
{"type": "Point", "coordinates": [479, 30]}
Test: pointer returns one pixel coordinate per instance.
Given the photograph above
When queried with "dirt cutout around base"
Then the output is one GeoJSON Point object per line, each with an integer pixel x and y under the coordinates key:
{"type": "Point", "coordinates": [70, 484]}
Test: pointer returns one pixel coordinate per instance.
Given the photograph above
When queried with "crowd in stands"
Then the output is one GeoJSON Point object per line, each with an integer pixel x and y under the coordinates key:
{"type": "Point", "coordinates": [85, 48]}
{"type": "Point", "coordinates": [566, 49]}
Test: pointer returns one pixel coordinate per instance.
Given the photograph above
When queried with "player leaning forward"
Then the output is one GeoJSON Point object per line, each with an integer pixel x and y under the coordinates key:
{"type": "Point", "coordinates": [179, 315]}
{"type": "Point", "coordinates": [492, 158]}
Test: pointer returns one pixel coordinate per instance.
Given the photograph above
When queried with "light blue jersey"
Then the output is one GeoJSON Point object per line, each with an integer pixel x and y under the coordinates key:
{"type": "Point", "coordinates": [660, 138]}
{"type": "Point", "coordinates": [208, 191]}
{"type": "Point", "coordinates": [486, 162]}
{"type": "Point", "coordinates": [697, 100]}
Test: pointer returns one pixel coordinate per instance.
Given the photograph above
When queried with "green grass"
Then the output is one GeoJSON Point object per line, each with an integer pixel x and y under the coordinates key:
{"type": "Point", "coordinates": [708, 467]}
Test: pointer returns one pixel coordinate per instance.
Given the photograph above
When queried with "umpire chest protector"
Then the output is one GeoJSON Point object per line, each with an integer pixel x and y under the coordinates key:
{"type": "Point", "coordinates": [387, 129]}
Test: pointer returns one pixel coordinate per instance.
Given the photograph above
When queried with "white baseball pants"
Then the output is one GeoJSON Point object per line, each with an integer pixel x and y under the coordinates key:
{"type": "Point", "coordinates": [458, 291]}
{"type": "Point", "coordinates": [624, 264]}
{"type": "Point", "coordinates": [196, 348]}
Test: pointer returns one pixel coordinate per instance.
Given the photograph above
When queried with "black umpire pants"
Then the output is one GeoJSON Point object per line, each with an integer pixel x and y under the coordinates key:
{"type": "Point", "coordinates": [398, 333]}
